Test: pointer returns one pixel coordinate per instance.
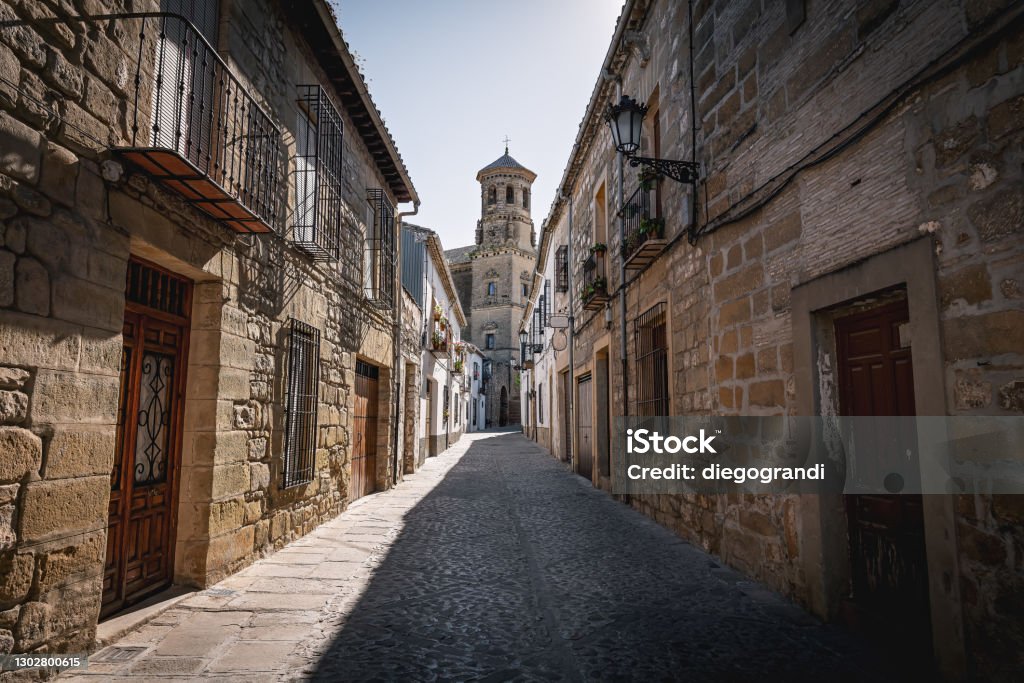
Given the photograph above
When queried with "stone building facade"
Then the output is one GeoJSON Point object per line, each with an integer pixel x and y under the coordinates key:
{"type": "Point", "coordinates": [177, 398]}
{"type": "Point", "coordinates": [860, 166]}
{"type": "Point", "coordinates": [493, 278]}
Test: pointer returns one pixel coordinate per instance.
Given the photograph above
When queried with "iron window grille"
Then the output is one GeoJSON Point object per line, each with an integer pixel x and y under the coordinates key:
{"type": "Point", "coordinates": [545, 306]}
{"type": "Point", "coordinates": [318, 175]}
{"type": "Point", "coordinates": [303, 377]}
{"type": "Point", "coordinates": [562, 269]}
{"type": "Point", "coordinates": [537, 330]}
{"type": "Point", "coordinates": [650, 334]}
{"type": "Point", "coordinates": [379, 261]}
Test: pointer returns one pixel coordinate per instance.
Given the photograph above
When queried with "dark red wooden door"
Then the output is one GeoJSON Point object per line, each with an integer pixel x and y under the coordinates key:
{"type": "Point", "coordinates": [143, 483]}
{"type": "Point", "coordinates": [364, 430]}
{"type": "Point", "coordinates": [886, 532]}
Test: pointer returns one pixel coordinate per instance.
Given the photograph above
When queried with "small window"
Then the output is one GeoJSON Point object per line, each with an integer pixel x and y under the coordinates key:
{"type": "Point", "coordinates": [540, 403]}
{"type": "Point", "coordinates": [490, 341]}
{"type": "Point", "coordinates": [651, 344]}
{"type": "Point", "coordinates": [303, 370]}
{"type": "Point", "coordinates": [492, 196]}
{"type": "Point", "coordinates": [492, 289]}
{"type": "Point", "coordinates": [510, 194]}
{"type": "Point", "coordinates": [526, 198]}
{"type": "Point", "coordinates": [562, 269]}
{"type": "Point", "coordinates": [526, 292]}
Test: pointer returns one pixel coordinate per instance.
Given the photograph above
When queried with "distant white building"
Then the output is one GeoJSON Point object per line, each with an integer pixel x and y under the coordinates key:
{"type": "Point", "coordinates": [442, 414]}
{"type": "Point", "coordinates": [475, 399]}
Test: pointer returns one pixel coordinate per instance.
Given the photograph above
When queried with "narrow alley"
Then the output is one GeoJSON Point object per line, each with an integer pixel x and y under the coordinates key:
{"type": "Point", "coordinates": [491, 563]}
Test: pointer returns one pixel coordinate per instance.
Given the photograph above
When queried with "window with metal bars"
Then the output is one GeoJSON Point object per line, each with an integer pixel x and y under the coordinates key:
{"type": "Point", "coordinates": [562, 269]}
{"type": "Point", "coordinates": [379, 261]}
{"type": "Point", "coordinates": [537, 331]}
{"type": "Point", "coordinates": [303, 381]}
{"type": "Point", "coordinates": [650, 334]}
{"type": "Point", "coordinates": [318, 174]}
{"type": "Point", "coordinates": [545, 308]}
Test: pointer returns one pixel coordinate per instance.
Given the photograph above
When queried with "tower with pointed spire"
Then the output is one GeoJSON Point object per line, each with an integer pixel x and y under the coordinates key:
{"type": "Point", "coordinates": [493, 277]}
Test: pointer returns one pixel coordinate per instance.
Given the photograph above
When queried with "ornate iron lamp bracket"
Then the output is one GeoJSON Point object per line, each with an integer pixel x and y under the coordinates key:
{"type": "Point", "coordinates": [680, 171]}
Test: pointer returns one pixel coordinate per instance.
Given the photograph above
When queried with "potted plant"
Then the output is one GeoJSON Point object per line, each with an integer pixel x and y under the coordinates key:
{"type": "Point", "coordinates": [599, 284]}
{"type": "Point", "coordinates": [652, 227]}
{"type": "Point", "coordinates": [438, 311]}
{"type": "Point", "coordinates": [438, 340]}
{"type": "Point", "coordinates": [599, 248]}
{"type": "Point", "coordinates": [457, 366]}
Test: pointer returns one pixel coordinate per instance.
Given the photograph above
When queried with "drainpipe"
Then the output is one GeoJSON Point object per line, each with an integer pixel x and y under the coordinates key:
{"type": "Point", "coordinates": [570, 441]}
{"type": "Point", "coordinates": [397, 336]}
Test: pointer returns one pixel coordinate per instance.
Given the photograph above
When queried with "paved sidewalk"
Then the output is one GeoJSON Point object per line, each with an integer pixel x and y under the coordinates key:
{"type": "Point", "coordinates": [491, 563]}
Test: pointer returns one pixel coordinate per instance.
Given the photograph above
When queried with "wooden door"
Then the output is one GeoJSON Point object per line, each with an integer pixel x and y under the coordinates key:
{"type": "Point", "coordinates": [143, 484]}
{"type": "Point", "coordinates": [889, 572]}
{"type": "Point", "coordinates": [364, 432]}
{"type": "Point", "coordinates": [585, 428]}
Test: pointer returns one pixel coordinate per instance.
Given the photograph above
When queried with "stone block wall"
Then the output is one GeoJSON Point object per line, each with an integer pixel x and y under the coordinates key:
{"type": "Point", "coordinates": [826, 137]}
{"type": "Point", "coordinates": [71, 216]}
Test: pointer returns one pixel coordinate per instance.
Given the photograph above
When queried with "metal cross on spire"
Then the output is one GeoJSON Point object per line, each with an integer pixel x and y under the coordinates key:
{"type": "Point", "coordinates": [507, 140]}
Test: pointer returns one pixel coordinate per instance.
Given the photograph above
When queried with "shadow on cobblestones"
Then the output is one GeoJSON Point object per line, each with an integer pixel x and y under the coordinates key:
{"type": "Point", "coordinates": [514, 569]}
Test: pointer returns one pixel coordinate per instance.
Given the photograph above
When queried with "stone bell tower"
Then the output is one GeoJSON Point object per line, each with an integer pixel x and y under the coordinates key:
{"type": "Point", "coordinates": [500, 267]}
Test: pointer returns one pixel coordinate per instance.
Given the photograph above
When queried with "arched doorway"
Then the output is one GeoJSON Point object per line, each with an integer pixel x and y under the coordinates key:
{"type": "Point", "coordinates": [503, 408]}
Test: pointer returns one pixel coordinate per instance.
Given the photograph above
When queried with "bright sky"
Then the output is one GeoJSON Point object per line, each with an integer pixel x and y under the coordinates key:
{"type": "Point", "coordinates": [454, 77]}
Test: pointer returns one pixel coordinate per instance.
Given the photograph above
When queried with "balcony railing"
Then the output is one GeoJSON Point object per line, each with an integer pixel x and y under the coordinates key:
{"type": "Point", "coordinates": [594, 294]}
{"type": "Point", "coordinates": [440, 337]}
{"type": "Point", "coordinates": [195, 128]}
{"type": "Point", "coordinates": [644, 229]}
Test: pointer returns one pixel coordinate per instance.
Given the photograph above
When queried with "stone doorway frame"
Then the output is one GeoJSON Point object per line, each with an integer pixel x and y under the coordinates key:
{"type": "Point", "coordinates": [822, 521]}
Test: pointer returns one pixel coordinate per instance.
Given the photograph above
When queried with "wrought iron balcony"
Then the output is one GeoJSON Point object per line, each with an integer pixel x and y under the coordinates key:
{"type": "Point", "coordinates": [644, 229]}
{"type": "Point", "coordinates": [195, 128]}
{"type": "Point", "coordinates": [440, 337]}
{"type": "Point", "coordinates": [594, 294]}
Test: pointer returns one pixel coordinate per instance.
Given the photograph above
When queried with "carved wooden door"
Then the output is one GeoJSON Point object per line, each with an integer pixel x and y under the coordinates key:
{"type": "Point", "coordinates": [143, 483]}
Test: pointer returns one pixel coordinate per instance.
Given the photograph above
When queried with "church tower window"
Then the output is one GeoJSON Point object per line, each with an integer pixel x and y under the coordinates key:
{"type": "Point", "coordinates": [492, 196]}
{"type": "Point", "coordinates": [492, 289]}
{"type": "Point", "coordinates": [526, 198]}
{"type": "Point", "coordinates": [510, 194]}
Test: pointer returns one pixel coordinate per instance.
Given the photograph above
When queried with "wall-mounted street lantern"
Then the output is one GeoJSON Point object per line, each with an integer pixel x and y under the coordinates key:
{"type": "Point", "coordinates": [625, 120]}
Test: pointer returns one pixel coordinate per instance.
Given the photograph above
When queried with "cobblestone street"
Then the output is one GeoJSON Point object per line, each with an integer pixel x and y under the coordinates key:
{"type": "Point", "coordinates": [491, 563]}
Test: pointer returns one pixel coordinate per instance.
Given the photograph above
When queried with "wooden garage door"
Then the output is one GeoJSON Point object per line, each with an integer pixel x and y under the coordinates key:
{"type": "Point", "coordinates": [364, 432]}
